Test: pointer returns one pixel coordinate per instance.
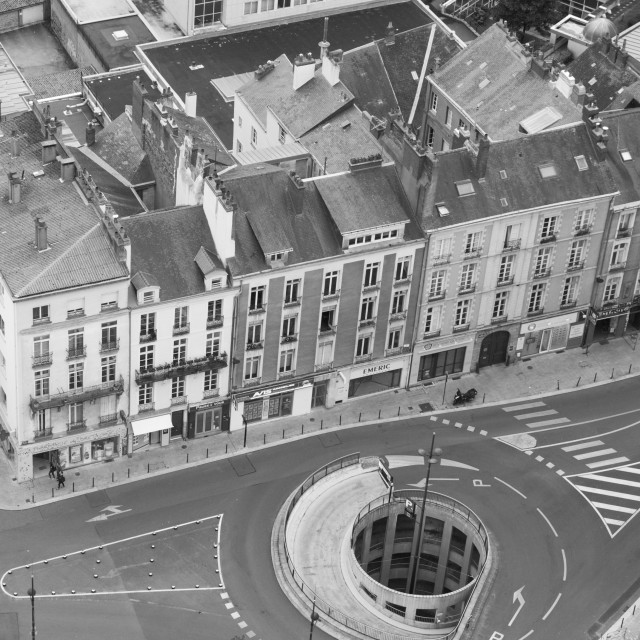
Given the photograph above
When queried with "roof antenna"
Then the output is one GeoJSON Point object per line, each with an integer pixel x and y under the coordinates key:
{"type": "Point", "coordinates": [324, 44]}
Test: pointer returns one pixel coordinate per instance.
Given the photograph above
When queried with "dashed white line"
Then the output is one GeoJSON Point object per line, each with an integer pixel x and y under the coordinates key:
{"type": "Point", "coordinates": [555, 533]}
{"type": "Point", "coordinates": [506, 484]}
{"type": "Point", "coordinates": [243, 625]}
{"type": "Point", "coordinates": [433, 418]}
{"type": "Point", "coordinates": [526, 635]}
{"type": "Point", "coordinates": [224, 596]}
{"type": "Point", "coordinates": [539, 458]}
{"type": "Point", "coordinates": [555, 602]}
{"type": "Point", "coordinates": [564, 566]}
{"type": "Point", "coordinates": [235, 615]}
{"type": "Point", "coordinates": [483, 432]}
{"type": "Point", "coordinates": [458, 424]}
{"type": "Point", "coordinates": [250, 634]}
{"type": "Point", "coordinates": [536, 414]}
{"type": "Point", "coordinates": [470, 428]}
{"type": "Point", "coordinates": [550, 465]}
{"type": "Point", "coordinates": [445, 421]}
{"type": "Point", "coordinates": [228, 605]}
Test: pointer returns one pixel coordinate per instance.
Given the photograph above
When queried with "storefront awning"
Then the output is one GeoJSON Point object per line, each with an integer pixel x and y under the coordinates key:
{"type": "Point", "coordinates": [156, 423]}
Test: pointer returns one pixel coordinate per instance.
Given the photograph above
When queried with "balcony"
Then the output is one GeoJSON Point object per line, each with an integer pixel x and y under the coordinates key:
{"type": "Point", "coordinates": [459, 328]}
{"type": "Point", "coordinates": [400, 281]}
{"type": "Point", "coordinates": [330, 295]}
{"type": "Point", "coordinates": [363, 324]}
{"type": "Point", "coordinates": [146, 406]}
{"type": "Point", "coordinates": [151, 336]}
{"type": "Point", "coordinates": [541, 273]}
{"type": "Point", "coordinates": [325, 366]}
{"type": "Point", "coordinates": [77, 352]}
{"type": "Point", "coordinates": [78, 425]}
{"type": "Point", "coordinates": [290, 338]}
{"type": "Point", "coordinates": [582, 230]}
{"type": "Point", "coordinates": [504, 282]}
{"type": "Point", "coordinates": [462, 291]}
{"type": "Point", "coordinates": [431, 334]}
{"type": "Point", "coordinates": [441, 260]}
{"type": "Point", "coordinates": [262, 308]}
{"type": "Point", "coordinates": [568, 305]}
{"type": "Point", "coordinates": [111, 345]}
{"type": "Point", "coordinates": [469, 255]}
{"type": "Point", "coordinates": [211, 393]}
{"type": "Point", "coordinates": [371, 287]}
{"type": "Point", "coordinates": [437, 295]}
{"type": "Point", "coordinates": [74, 396]}
{"type": "Point", "coordinates": [512, 245]}
{"type": "Point", "coordinates": [551, 237]}
{"type": "Point", "coordinates": [618, 266]}
{"type": "Point", "coordinates": [613, 302]}
{"type": "Point", "coordinates": [364, 358]}
{"type": "Point", "coordinates": [107, 419]}
{"type": "Point", "coordinates": [575, 266]}
{"type": "Point", "coordinates": [499, 319]}
{"type": "Point", "coordinates": [254, 346]}
{"type": "Point", "coordinates": [43, 433]}
{"type": "Point", "coordinates": [37, 321]}
{"type": "Point", "coordinates": [251, 382]}
{"type": "Point", "coordinates": [42, 360]}
{"type": "Point", "coordinates": [625, 232]}
{"type": "Point", "coordinates": [181, 329]}
{"type": "Point", "coordinates": [214, 321]}
{"type": "Point", "coordinates": [293, 303]}
{"type": "Point", "coordinates": [535, 312]}
{"type": "Point", "coordinates": [283, 375]}
{"type": "Point", "coordinates": [181, 368]}
{"type": "Point", "coordinates": [396, 351]}
{"type": "Point", "coordinates": [178, 400]}
{"type": "Point", "coordinates": [76, 313]}
{"type": "Point", "coordinates": [396, 317]}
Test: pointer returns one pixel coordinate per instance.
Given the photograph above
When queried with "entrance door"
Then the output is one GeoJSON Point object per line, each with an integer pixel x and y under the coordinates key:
{"type": "Point", "coordinates": [319, 394]}
{"type": "Point", "coordinates": [177, 420]}
{"type": "Point", "coordinates": [493, 349]}
{"type": "Point", "coordinates": [545, 339]}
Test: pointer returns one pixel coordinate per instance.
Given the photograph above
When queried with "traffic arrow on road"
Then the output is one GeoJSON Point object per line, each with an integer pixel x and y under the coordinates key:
{"type": "Point", "coordinates": [112, 510]}
{"type": "Point", "coordinates": [517, 597]}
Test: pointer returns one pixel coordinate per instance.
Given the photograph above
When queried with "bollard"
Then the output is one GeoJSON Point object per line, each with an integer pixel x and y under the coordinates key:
{"type": "Point", "coordinates": [93, 482]}
{"type": "Point", "coordinates": [226, 447]}
{"type": "Point", "coordinates": [187, 458]}
{"type": "Point", "coordinates": [629, 368]}
{"type": "Point", "coordinates": [359, 416]}
{"type": "Point", "coordinates": [207, 452]}
{"type": "Point", "coordinates": [128, 473]}
{"type": "Point", "coordinates": [595, 377]}
{"type": "Point", "coordinates": [612, 370]}
{"type": "Point", "coordinates": [379, 412]}
{"type": "Point", "coordinates": [483, 396]}
{"type": "Point", "coordinates": [148, 467]}
{"type": "Point", "coordinates": [283, 434]}
{"type": "Point", "coordinates": [558, 385]}
{"type": "Point", "coordinates": [302, 429]}
{"type": "Point", "coordinates": [73, 487]}
{"type": "Point", "coordinates": [398, 411]}
{"type": "Point", "coordinates": [52, 492]}
{"type": "Point", "coordinates": [112, 476]}
{"type": "Point", "coordinates": [340, 418]}
{"type": "Point", "coordinates": [264, 438]}
{"type": "Point", "coordinates": [33, 498]}
{"type": "Point", "coordinates": [321, 421]}
{"type": "Point", "coordinates": [578, 383]}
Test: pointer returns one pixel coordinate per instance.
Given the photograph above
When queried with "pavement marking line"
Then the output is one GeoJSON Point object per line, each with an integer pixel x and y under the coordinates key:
{"type": "Point", "coordinates": [228, 605]}
{"type": "Point", "coordinates": [613, 507]}
{"type": "Point", "coordinates": [526, 635]}
{"type": "Point", "coordinates": [529, 452]}
{"type": "Point", "coordinates": [555, 602]}
{"type": "Point", "coordinates": [539, 458]}
{"type": "Point", "coordinates": [506, 484]}
{"type": "Point", "coordinates": [550, 465]}
{"type": "Point", "coordinates": [470, 428]}
{"type": "Point", "coordinates": [433, 418]}
{"type": "Point", "coordinates": [564, 566]}
{"type": "Point", "coordinates": [224, 596]}
{"type": "Point", "coordinates": [458, 424]}
{"type": "Point", "coordinates": [243, 625]}
{"type": "Point", "coordinates": [235, 615]}
{"type": "Point", "coordinates": [251, 634]}
{"type": "Point", "coordinates": [560, 472]}
{"type": "Point", "coordinates": [584, 445]}
{"type": "Point", "coordinates": [528, 405]}
{"type": "Point", "coordinates": [596, 476]}
{"type": "Point", "coordinates": [594, 454]}
{"type": "Point", "coordinates": [546, 423]}
{"type": "Point", "coordinates": [483, 432]}
{"type": "Point", "coordinates": [607, 492]}
{"type": "Point", "coordinates": [555, 533]}
{"type": "Point", "coordinates": [617, 523]}
{"type": "Point", "coordinates": [630, 470]}
{"type": "Point", "coordinates": [445, 421]}
{"type": "Point", "coordinates": [604, 463]}
{"type": "Point", "coordinates": [536, 414]}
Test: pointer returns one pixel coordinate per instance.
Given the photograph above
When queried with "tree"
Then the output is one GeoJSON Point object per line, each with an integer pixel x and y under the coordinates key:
{"type": "Point", "coordinates": [521, 15]}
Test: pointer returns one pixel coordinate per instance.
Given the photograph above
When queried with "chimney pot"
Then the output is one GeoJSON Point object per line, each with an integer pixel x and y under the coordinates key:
{"type": "Point", "coordinates": [41, 234]}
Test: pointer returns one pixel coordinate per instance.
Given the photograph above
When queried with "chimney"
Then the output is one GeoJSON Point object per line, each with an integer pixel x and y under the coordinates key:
{"type": "Point", "coordinates": [612, 54]}
{"type": "Point", "coordinates": [460, 136]}
{"type": "Point", "coordinates": [436, 63]}
{"type": "Point", "coordinates": [390, 35]}
{"type": "Point", "coordinates": [52, 128]}
{"type": "Point", "coordinates": [565, 83]}
{"type": "Point", "coordinates": [304, 68]}
{"type": "Point", "coordinates": [605, 43]}
{"type": "Point", "coordinates": [41, 234]}
{"type": "Point", "coordinates": [331, 66]}
{"type": "Point", "coordinates": [190, 103]}
{"type": "Point", "coordinates": [590, 111]}
{"type": "Point", "coordinates": [67, 169]}
{"type": "Point", "coordinates": [578, 94]}
{"type": "Point", "coordinates": [295, 189]}
{"type": "Point", "coordinates": [90, 134]}
{"type": "Point", "coordinates": [324, 43]}
{"type": "Point", "coordinates": [15, 144]}
{"type": "Point", "coordinates": [15, 184]}
{"type": "Point", "coordinates": [483, 157]}
{"type": "Point", "coordinates": [49, 151]}
{"type": "Point", "coordinates": [139, 93]}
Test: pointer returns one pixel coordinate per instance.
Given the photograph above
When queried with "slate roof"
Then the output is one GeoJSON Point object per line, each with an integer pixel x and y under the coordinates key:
{"type": "Point", "coordinates": [629, 97]}
{"type": "Point", "coordinates": [601, 77]}
{"type": "Point", "coordinates": [513, 92]}
{"type": "Point", "coordinates": [80, 252]}
{"type": "Point", "coordinates": [62, 83]}
{"type": "Point", "coordinates": [241, 50]}
{"type": "Point", "coordinates": [523, 188]}
{"type": "Point", "coordinates": [165, 243]}
{"type": "Point", "coordinates": [631, 38]}
{"type": "Point", "coordinates": [624, 133]}
{"type": "Point", "coordinates": [118, 147]}
{"type": "Point", "coordinates": [12, 5]}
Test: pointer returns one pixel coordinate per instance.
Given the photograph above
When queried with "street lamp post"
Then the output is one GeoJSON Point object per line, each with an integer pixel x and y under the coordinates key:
{"type": "Point", "coordinates": [32, 594]}
{"type": "Point", "coordinates": [314, 618]}
{"type": "Point", "coordinates": [430, 460]}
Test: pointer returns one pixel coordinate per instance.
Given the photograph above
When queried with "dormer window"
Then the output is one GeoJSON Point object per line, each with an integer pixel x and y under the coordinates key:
{"type": "Point", "coordinates": [465, 188]}
{"type": "Point", "coordinates": [216, 283]}
{"type": "Point", "coordinates": [581, 161]}
{"type": "Point", "coordinates": [148, 296]}
{"type": "Point", "coordinates": [442, 210]}
{"type": "Point", "coordinates": [276, 256]}
{"type": "Point", "coordinates": [368, 238]}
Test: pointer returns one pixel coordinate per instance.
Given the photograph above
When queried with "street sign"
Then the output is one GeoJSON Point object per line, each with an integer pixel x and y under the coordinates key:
{"type": "Point", "coordinates": [387, 478]}
{"type": "Point", "coordinates": [409, 508]}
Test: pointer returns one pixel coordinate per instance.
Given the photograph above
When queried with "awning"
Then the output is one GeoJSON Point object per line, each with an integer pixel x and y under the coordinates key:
{"type": "Point", "coordinates": [156, 423]}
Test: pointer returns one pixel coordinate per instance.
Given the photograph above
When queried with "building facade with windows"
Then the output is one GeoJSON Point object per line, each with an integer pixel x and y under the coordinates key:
{"type": "Point", "coordinates": [182, 312]}
{"type": "Point", "coordinates": [328, 270]}
{"type": "Point", "coordinates": [515, 234]}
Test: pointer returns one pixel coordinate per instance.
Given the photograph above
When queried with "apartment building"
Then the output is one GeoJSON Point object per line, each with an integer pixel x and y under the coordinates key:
{"type": "Point", "coordinates": [182, 311]}
{"type": "Point", "coordinates": [63, 320]}
{"type": "Point", "coordinates": [515, 231]}
{"type": "Point", "coordinates": [328, 270]}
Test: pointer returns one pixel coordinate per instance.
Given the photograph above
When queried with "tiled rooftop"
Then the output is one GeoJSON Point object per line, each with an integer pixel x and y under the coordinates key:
{"type": "Point", "coordinates": [80, 252]}
{"type": "Point", "coordinates": [63, 83]}
{"type": "Point", "coordinates": [492, 81]}
{"type": "Point", "coordinates": [241, 51]}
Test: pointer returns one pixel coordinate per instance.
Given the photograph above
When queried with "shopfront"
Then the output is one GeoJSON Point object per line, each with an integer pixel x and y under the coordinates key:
{"type": "Point", "coordinates": [440, 356]}
{"type": "Point", "coordinates": [375, 378]}
{"type": "Point", "coordinates": [154, 430]}
{"type": "Point", "coordinates": [609, 322]}
{"type": "Point", "coordinates": [550, 334]}
{"type": "Point", "coordinates": [208, 418]}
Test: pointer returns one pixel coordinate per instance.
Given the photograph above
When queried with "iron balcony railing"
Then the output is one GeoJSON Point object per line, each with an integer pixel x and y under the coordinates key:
{"type": "Point", "coordinates": [499, 319]}
{"type": "Point", "coordinates": [76, 352]}
{"type": "Point", "coordinates": [261, 308]}
{"type": "Point", "coordinates": [74, 396]}
{"type": "Point", "coordinates": [42, 433]}
{"type": "Point", "coordinates": [364, 357]}
{"type": "Point", "coordinates": [181, 368]}
{"type": "Point", "coordinates": [78, 425]}
{"type": "Point", "coordinates": [582, 230]}
{"type": "Point", "coordinates": [551, 237]}
{"type": "Point", "coordinates": [109, 345]}
{"type": "Point", "coordinates": [180, 329]}
{"type": "Point", "coordinates": [253, 346]}
{"type": "Point", "coordinates": [294, 302]}
{"type": "Point", "coordinates": [328, 295]}
{"type": "Point", "coordinates": [42, 359]}
{"type": "Point", "coordinates": [290, 338]}
{"type": "Point", "coordinates": [504, 282]}
{"type": "Point", "coordinates": [512, 245]}
{"type": "Point", "coordinates": [150, 336]}
{"type": "Point", "coordinates": [575, 266]}
{"type": "Point", "coordinates": [214, 321]}
{"type": "Point", "coordinates": [541, 273]}
{"type": "Point", "coordinates": [437, 295]}
{"type": "Point", "coordinates": [461, 327]}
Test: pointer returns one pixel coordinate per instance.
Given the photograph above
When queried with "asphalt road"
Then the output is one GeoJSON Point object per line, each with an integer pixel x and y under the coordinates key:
{"type": "Point", "coordinates": [564, 569]}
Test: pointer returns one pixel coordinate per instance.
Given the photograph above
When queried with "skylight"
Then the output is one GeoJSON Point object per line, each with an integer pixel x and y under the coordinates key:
{"type": "Point", "coordinates": [625, 154]}
{"type": "Point", "coordinates": [503, 174]}
{"type": "Point", "coordinates": [503, 202]}
{"type": "Point", "coordinates": [547, 170]}
{"type": "Point", "coordinates": [581, 161]}
{"type": "Point", "coordinates": [442, 210]}
{"type": "Point", "coordinates": [465, 188]}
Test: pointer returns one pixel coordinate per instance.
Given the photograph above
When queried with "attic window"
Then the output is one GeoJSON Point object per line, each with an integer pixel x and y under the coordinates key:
{"type": "Point", "coordinates": [581, 161]}
{"type": "Point", "coordinates": [547, 170]}
{"type": "Point", "coordinates": [442, 210]}
{"type": "Point", "coordinates": [465, 188]}
{"type": "Point", "coordinates": [503, 202]}
{"type": "Point", "coordinates": [121, 34]}
{"type": "Point", "coordinates": [415, 76]}
{"type": "Point", "coordinates": [216, 284]}
{"type": "Point", "coordinates": [625, 154]}
{"type": "Point", "coordinates": [484, 83]}
{"type": "Point", "coordinates": [148, 296]}
{"type": "Point", "coordinates": [503, 174]}
{"type": "Point", "coordinates": [276, 256]}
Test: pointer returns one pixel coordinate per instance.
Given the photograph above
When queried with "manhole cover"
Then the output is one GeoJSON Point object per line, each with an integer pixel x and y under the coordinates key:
{"type": "Point", "coordinates": [425, 406]}
{"type": "Point", "coordinates": [529, 367]}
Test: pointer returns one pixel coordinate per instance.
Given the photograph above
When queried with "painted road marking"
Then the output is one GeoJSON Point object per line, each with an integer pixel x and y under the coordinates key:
{"type": "Point", "coordinates": [594, 454]}
{"type": "Point", "coordinates": [228, 605]}
{"type": "Point", "coordinates": [243, 624]}
{"type": "Point", "coordinates": [528, 405]}
{"type": "Point", "coordinates": [608, 492]}
{"type": "Point", "coordinates": [606, 463]}
{"type": "Point", "coordinates": [506, 484]}
{"type": "Point", "coordinates": [553, 606]}
{"type": "Point", "coordinates": [112, 510]}
{"type": "Point", "coordinates": [622, 481]}
{"type": "Point", "coordinates": [536, 414]}
{"type": "Point", "coordinates": [546, 423]}
{"type": "Point", "coordinates": [613, 507]}
{"type": "Point", "coordinates": [584, 445]}
{"type": "Point", "coordinates": [564, 566]}
{"type": "Point", "coordinates": [555, 533]}
{"type": "Point", "coordinates": [235, 615]}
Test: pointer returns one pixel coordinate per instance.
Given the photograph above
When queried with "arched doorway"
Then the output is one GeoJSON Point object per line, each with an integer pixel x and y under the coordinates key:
{"type": "Point", "coordinates": [493, 349]}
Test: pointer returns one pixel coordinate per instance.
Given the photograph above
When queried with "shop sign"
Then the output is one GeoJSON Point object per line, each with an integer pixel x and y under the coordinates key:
{"type": "Point", "coordinates": [548, 322]}
{"type": "Point", "coordinates": [446, 342]}
{"type": "Point", "coordinates": [208, 405]}
{"type": "Point", "coordinates": [576, 331]}
{"type": "Point", "coordinates": [609, 312]}
{"type": "Point", "coordinates": [264, 393]}
{"type": "Point", "coordinates": [367, 371]}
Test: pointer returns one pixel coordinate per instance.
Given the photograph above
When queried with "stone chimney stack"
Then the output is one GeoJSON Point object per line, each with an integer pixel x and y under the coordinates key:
{"type": "Point", "coordinates": [483, 157]}
{"type": "Point", "coordinates": [390, 35]}
{"type": "Point", "coordinates": [15, 144]}
{"type": "Point", "coordinates": [579, 94]}
{"type": "Point", "coordinates": [90, 134]}
{"type": "Point", "coordinates": [190, 103]}
{"type": "Point", "coordinates": [331, 66]}
{"type": "Point", "coordinates": [304, 68]}
{"type": "Point", "coordinates": [41, 234]}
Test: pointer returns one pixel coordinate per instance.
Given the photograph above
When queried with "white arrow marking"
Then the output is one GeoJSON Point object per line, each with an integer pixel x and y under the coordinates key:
{"type": "Point", "coordinates": [113, 510]}
{"type": "Point", "coordinates": [517, 596]}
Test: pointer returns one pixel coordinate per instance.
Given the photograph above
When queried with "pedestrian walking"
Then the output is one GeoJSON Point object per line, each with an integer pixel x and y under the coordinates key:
{"type": "Point", "coordinates": [52, 470]}
{"type": "Point", "coordinates": [60, 479]}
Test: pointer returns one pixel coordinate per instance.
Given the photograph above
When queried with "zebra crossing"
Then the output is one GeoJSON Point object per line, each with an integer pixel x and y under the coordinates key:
{"type": "Point", "coordinates": [614, 494]}
{"type": "Point", "coordinates": [578, 451]}
{"type": "Point", "coordinates": [535, 415]}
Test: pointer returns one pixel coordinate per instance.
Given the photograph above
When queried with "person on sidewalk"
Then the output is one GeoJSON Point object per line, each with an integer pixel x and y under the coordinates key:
{"type": "Point", "coordinates": [52, 470]}
{"type": "Point", "coordinates": [60, 479]}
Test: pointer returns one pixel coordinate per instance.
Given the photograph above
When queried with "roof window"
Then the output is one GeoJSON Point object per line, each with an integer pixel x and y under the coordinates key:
{"type": "Point", "coordinates": [547, 170]}
{"type": "Point", "coordinates": [625, 154]}
{"type": "Point", "coordinates": [465, 188]}
{"type": "Point", "coordinates": [503, 202]}
{"type": "Point", "coordinates": [581, 161]}
{"type": "Point", "coordinates": [503, 174]}
{"type": "Point", "coordinates": [442, 210]}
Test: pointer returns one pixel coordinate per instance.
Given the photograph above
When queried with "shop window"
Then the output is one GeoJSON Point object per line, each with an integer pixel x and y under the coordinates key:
{"type": "Point", "coordinates": [437, 364]}
{"type": "Point", "coordinates": [42, 383]}
{"type": "Point", "coordinates": [109, 369]}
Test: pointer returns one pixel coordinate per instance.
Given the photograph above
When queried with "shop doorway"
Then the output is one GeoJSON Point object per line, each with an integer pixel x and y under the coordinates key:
{"type": "Point", "coordinates": [493, 349]}
{"type": "Point", "coordinates": [319, 394]}
{"type": "Point", "coordinates": [177, 422]}
{"type": "Point", "coordinates": [208, 421]}
{"type": "Point", "coordinates": [372, 384]}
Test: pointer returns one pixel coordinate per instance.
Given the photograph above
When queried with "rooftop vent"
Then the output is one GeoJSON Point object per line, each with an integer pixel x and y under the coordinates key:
{"type": "Point", "coordinates": [121, 34]}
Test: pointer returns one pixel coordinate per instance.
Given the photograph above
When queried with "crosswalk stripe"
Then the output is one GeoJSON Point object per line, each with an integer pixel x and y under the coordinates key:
{"type": "Point", "coordinates": [626, 483]}
{"type": "Point", "coordinates": [536, 414]}
{"type": "Point", "coordinates": [594, 454]}
{"type": "Point", "coordinates": [618, 523]}
{"type": "Point", "coordinates": [528, 405]}
{"type": "Point", "coordinates": [607, 492]}
{"type": "Point", "coordinates": [613, 507]}
{"type": "Point", "coordinates": [630, 470]}
{"type": "Point", "coordinates": [604, 463]}
{"type": "Point", "coordinates": [546, 423]}
{"type": "Point", "coordinates": [583, 445]}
